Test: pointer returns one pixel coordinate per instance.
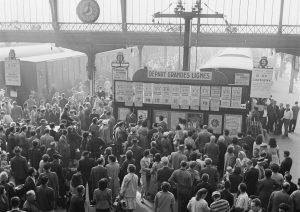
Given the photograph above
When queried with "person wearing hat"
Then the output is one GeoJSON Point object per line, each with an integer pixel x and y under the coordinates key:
{"type": "Point", "coordinates": [260, 166]}
{"type": "Point", "coordinates": [296, 198]}
{"type": "Point", "coordinates": [295, 110]}
{"type": "Point", "coordinates": [19, 166]}
{"type": "Point", "coordinates": [279, 197]}
{"type": "Point", "coordinates": [219, 205]}
{"type": "Point", "coordinates": [177, 157]}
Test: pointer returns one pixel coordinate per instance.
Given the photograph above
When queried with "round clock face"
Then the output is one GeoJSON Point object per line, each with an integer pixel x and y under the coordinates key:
{"type": "Point", "coordinates": [88, 11]}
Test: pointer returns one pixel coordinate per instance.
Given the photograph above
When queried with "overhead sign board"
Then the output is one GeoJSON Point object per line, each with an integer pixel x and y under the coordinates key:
{"type": "Point", "coordinates": [12, 72]}
{"type": "Point", "coordinates": [261, 82]}
{"type": "Point", "coordinates": [120, 73]}
{"type": "Point", "coordinates": [179, 75]}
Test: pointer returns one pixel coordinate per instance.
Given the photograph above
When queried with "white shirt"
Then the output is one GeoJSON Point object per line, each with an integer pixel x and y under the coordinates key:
{"type": "Point", "coordinates": [242, 201]}
{"type": "Point", "coordinates": [288, 114]}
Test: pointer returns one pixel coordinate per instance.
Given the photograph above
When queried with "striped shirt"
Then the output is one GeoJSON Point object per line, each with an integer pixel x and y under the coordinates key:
{"type": "Point", "coordinates": [220, 205]}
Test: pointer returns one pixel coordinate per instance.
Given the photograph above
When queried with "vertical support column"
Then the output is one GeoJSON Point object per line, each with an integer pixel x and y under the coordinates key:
{"type": "Point", "coordinates": [291, 88]}
{"type": "Point", "coordinates": [280, 17]}
{"type": "Point", "coordinates": [140, 62]}
{"type": "Point", "coordinates": [91, 70]}
{"type": "Point", "coordinates": [54, 14]}
{"type": "Point", "coordinates": [124, 15]}
{"type": "Point", "coordinates": [281, 64]}
{"type": "Point", "coordinates": [165, 55]}
{"type": "Point", "coordinates": [187, 44]}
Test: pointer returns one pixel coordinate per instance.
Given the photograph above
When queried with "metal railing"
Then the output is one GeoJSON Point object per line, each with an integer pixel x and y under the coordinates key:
{"type": "Point", "coordinates": [150, 28]}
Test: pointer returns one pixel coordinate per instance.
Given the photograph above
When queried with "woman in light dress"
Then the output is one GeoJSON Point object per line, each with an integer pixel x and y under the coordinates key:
{"type": "Point", "coordinates": [129, 188]}
{"type": "Point", "coordinates": [274, 151]}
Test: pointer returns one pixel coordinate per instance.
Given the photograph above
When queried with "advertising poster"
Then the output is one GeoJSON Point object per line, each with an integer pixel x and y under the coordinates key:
{"type": "Point", "coordinates": [142, 114]}
{"type": "Point", "coordinates": [242, 79]}
{"type": "Point", "coordinates": [226, 92]}
{"type": "Point", "coordinates": [120, 89]}
{"type": "Point", "coordinates": [185, 90]}
{"type": "Point", "coordinates": [236, 104]}
{"type": "Point", "coordinates": [122, 113]}
{"type": "Point", "coordinates": [157, 92]}
{"type": "Point", "coordinates": [166, 94]}
{"type": "Point", "coordinates": [147, 93]}
{"type": "Point", "coordinates": [215, 122]}
{"type": "Point", "coordinates": [233, 123]}
{"type": "Point", "coordinates": [185, 102]}
{"type": "Point", "coordinates": [129, 94]}
{"type": "Point", "coordinates": [205, 91]}
{"type": "Point", "coordinates": [195, 91]}
{"type": "Point", "coordinates": [215, 92]}
{"type": "Point", "coordinates": [261, 82]}
{"type": "Point", "coordinates": [158, 113]}
{"type": "Point", "coordinates": [236, 93]}
{"type": "Point", "coordinates": [194, 120]}
{"type": "Point", "coordinates": [204, 104]}
{"type": "Point", "coordinates": [214, 105]}
{"type": "Point", "coordinates": [138, 94]}
{"type": "Point", "coordinates": [175, 96]}
{"type": "Point", "coordinates": [175, 116]}
{"type": "Point", "coordinates": [195, 102]}
{"type": "Point", "coordinates": [225, 103]}
{"type": "Point", "coordinates": [12, 72]}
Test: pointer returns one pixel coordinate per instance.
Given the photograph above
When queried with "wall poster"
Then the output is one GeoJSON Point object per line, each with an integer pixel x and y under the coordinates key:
{"type": "Point", "coordinates": [236, 93]}
{"type": "Point", "coordinates": [175, 96]}
{"type": "Point", "coordinates": [214, 104]}
{"type": "Point", "coordinates": [194, 120]}
{"type": "Point", "coordinates": [204, 104]}
{"type": "Point", "coordinates": [120, 90]}
{"type": "Point", "coordinates": [166, 93]}
{"type": "Point", "coordinates": [158, 113]}
{"type": "Point", "coordinates": [241, 79]}
{"type": "Point", "coordinates": [233, 123]}
{"type": "Point", "coordinates": [215, 122]}
{"type": "Point", "coordinates": [122, 113]}
{"type": "Point", "coordinates": [215, 92]}
{"type": "Point", "coordinates": [138, 94]}
{"type": "Point", "coordinates": [205, 91]}
{"type": "Point", "coordinates": [225, 103]}
{"type": "Point", "coordinates": [157, 92]}
{"type": "Point", "coordinates": [129, 94]}
{"type": "Point", "coordinates": [147, 93]}
{"type": "Point", "coordinates": [226, 92]}
{"type": "Point", "coordinates": [12, 72]}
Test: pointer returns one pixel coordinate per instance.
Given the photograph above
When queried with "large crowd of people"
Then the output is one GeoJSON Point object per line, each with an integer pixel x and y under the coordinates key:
{"type": "Point", "coordinates": [64, 152]}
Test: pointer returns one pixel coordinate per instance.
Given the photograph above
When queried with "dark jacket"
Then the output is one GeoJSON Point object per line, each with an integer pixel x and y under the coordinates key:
{"type": "Point", "coordinates": [35, 157]}
{"type": "Point", "coordinates": [213, 175]}
{"type": "Point", "coordinates": [286, 165]}
{"type": "Point", "coordinates": [225, 194]}
{"type": "Point", "coordinates": [264, 190]}
{"type": "Point", "coordinates": [163, 174]}
{"type": "Point", "coordinates": [210, 189]}
{"type": "Point", "coordinates": [97, 174]}
{"type": "Point", "coordinates": [19, 167]}
{"type": "Point", "coordinates": [29, 185]}
{"type": "Point", "coordinates": [45, 198]}
{"type": "Point", "coordinates": [77, 204]}
{"type": "Point", "coordinates": [251, 180]}
{"type": "Point", "coordinates": [137, 155]}
{"type": "Point", "coordinates": [278, 197]}
{"type": "Point", "coordinates": [85, 167]}
{"type": "Point", "coordinates": [52, 183]}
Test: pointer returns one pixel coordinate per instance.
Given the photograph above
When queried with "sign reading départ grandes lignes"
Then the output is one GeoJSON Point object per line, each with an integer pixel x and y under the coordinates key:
{"type": "Point", "coordinates": [179, 75]}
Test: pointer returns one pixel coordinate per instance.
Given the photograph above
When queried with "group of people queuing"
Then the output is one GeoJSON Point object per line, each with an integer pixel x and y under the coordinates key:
{"type": "Point", "coordinates": [185, 169]}
{"type": "Point", "coordinates": [274, 118]}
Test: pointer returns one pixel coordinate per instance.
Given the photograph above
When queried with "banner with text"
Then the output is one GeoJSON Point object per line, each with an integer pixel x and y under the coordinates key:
{"type": "Point", "coordinates": [261, 82]}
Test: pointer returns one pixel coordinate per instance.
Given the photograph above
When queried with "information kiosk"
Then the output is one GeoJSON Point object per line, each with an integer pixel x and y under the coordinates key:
{"type": "Point", "coordinates": [209, 97]}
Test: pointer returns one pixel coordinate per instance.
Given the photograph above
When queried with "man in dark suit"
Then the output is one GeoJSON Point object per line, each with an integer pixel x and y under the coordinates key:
{"type": "Point", "coordinates": [164, 173]}
{"type": "Point", "coordinates": [19, 166]}
{"type": "Point", "coordinates": [52, 179]}
{"type": "Point", "coordinates": [30, 181]}
{"type": "Point", "coordinates": [279, 197]}
{"type": "Point", "coordinates": [45, 196]}
{"type": "Point", "coordinates": [98, 173]}
{"type": "Point", "coordinates": [272, 115]}
{"type": "Point", "coordinates": [137, 154]}
{"type": "Point", "coordinates": [251, 178]}
{"type": "Point", "coordinates": [77, 200]}
{"type": "Point", "coordinates": [56, 167]}
{"type": "Point", "coordinates": [286, 164]}
{"type": "Point", "coordinates": [212, 173]}
{"type": "Point", "coordinates": [84, 167]}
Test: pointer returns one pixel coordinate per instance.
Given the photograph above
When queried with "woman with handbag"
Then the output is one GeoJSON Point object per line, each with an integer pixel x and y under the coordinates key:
{"type": "Point", "coordinates": [129, 189]}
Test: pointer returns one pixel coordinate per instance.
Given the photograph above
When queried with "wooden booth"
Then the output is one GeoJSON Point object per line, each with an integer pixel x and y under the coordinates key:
{"type": "Point", "coordinates": [210, 97]}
